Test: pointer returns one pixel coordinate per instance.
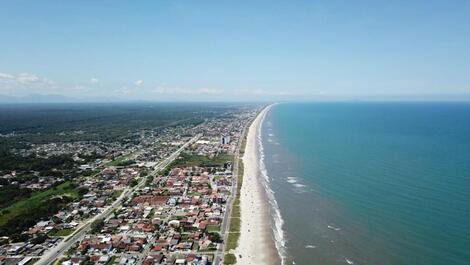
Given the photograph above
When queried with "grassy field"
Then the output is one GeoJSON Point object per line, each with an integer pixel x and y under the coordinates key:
{"type": "Point", "coordinates": [116, 194]}
{"type": "Point", "coordinates": [234, 227]}
{"type": "Point", "coordinates": [117, 161]}
{"type": "Point", "coordinates": [213, 228]}
{"type": "Point", "coordinates": [36, 199]}
{"type": "Point", "coordinates": [62, 232]}
{"type": "Point", "coordinates": [235, 221]}
{"type": "Point", "coordinates": [198, 160]}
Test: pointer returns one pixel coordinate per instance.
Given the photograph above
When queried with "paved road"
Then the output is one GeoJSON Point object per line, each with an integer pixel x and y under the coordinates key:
{"type": "Point", "coordinates": [219, 254]}
{"type": "Point", "coordinates": [65, 244]}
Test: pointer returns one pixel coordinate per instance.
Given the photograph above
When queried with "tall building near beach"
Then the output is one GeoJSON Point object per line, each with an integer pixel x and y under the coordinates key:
{"type": "Point", "coordinates": [225, 139]}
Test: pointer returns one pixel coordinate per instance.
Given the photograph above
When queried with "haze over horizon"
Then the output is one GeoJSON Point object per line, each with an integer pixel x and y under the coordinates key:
{"type": "Point", "coordinates": [235, 51]}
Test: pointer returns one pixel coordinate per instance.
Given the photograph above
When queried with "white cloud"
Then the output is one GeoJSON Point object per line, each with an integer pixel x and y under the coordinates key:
{"type": "Point", "coordinates": [94, 80]}
{"type": "Point", "coordinates": [5, 77]}
{"type": "Point", "coordinates": [186, 91]}
{"type": "Point", "coordinates": [26, 78]}
{"type": "Point", "coordinates": [280, 92]}
{"type": "Point", "coordinates": [22, 78]}
{"type": "Point", "coordinates": [125, 91]}
{"type": "Point", "coordinates": [25, 83]}
{"type": "Point", "coordinates": [209, 91]}
{"type": "Point", "coordinates": [138, 82]}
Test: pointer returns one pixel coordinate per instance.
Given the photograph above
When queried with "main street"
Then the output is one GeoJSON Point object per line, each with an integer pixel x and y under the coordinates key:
{"type": "Point", "coordinates": [219, 254]}
{"type": "Point", "coordinates": [68, 241]}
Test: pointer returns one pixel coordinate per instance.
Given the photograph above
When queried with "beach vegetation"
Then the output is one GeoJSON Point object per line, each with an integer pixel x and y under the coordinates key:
{"type": "Point", "coordinates": [229, 259]}
{"type": "Point", "coordinates": [235, 221]}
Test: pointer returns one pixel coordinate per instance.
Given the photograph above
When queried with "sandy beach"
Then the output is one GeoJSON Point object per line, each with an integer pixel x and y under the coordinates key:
{"type": "Point", "coordinates": [256, 245]}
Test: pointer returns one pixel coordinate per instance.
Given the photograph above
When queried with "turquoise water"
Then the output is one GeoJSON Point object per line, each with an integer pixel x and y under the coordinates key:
{"type": "Point", "coordinates": [371, 183]}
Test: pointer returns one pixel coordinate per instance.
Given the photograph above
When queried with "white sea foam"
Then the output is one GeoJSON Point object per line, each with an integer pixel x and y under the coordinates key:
{"type": "Point", "coordinates": [299, 188]}
{"type": "Point", "coordinates": [291, 180]}
{"type": "Point", "coordinates": [310, 246]}
{"type": "Point", "coordinates": [333, 228]}
{"type": "Point", "coordinates": [348, 261]}
{"type": "Point", "coordinates": [278, 222]}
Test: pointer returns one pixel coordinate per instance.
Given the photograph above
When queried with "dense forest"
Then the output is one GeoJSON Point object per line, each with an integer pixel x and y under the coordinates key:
{"type": "Point", "coordinates": [10, 162]}
{"type": "Point", "coordinates": [42, 123]}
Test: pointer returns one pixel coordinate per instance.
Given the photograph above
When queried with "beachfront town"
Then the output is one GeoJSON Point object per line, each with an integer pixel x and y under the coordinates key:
{"type": "Point", "coordinates": [159, 198]}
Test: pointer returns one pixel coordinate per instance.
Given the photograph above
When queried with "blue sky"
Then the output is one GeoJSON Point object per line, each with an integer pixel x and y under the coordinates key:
{"type": "Point", "coordinates": [236, 50]}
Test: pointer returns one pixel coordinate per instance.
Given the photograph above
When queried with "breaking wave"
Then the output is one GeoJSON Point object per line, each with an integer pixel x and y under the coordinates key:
{"type": "Point", "coordinates": [278, 222]}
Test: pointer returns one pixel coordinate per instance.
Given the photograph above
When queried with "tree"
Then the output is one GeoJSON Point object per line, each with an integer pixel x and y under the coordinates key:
{"type": "Point", "coordinates": [19, 237]}
{"type": "Point", "coordinates": [39, 239]}
{"type": "Point", "coordinates": [82, 191]}
{"type": "Point", "coordinates": [97, 225]}
{"type": "Point", "coordinates": [215, 237]}
{"type": "Point", "coordinates": [133, 183]}
{"type": "Point", "coordinates": [149, 180]}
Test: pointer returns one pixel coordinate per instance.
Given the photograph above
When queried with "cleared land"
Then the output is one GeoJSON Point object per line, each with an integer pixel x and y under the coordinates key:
{"type": "Point", "coordinates": [28, 211]}
{"type": "Point", "coordinates": [189, 160]}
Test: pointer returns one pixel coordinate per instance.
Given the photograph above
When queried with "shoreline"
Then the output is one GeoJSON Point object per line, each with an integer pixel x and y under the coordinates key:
{"type": "Point", "coordinates": [256, 243]}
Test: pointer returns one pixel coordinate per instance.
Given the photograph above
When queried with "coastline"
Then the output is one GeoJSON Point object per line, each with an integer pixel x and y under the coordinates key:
{"type": "Point", "coordinates": [256, 244]}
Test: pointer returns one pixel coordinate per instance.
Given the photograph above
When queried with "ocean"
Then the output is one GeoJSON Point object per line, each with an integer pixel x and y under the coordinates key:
{"type": "Point", "coordinates": [369, 183]}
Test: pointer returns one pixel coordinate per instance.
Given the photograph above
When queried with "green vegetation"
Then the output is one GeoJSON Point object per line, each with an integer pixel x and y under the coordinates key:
{"type": "Point", "coordinates": [234, 227]}
{"type": "Point", "coordinates": [96, 226]}
{"type": "Point", "coordinates": [9, 161]}
{"type": "Point", "coordinates": [149, 180]}
{"type": "Point", "coordinates": [61, 232]}
{"type": "Point", "coordinates": [111, 260]}
{"type": "Point", "coordinates": [125, 163]}
{"type": "Point", "coordinates": [82, 191]}
{"type": "Point", "coordinates": [133, 183]}
{"type": "Point", "coordinates": [151, 214]}
{"type": "Point", "coordinates": [195, 246]}
{"type": "Point", "coordinates": [215, 237]}
{"type": "Point", "coordinates": [32, 261]}
{"type": "Point", "coordinates": [118, 161]}
{"type": "Point", "coordinates": [9, 194]}
{"type": "Point", "coordinates": [188, 160]}
{"type": "Point", "coordinates": [213, 228]}
{"type": "Point", "coordinates": [230, 259]}
{"type": "Point", "coordinates": [27, 212]}
{"type": "Point", "coordinates": [90, 173]}
{"type": "Point", "coordinates": [116, 194]}
{"type": "Point", "coordinates": [39, 239]}
{"type": "Point", "coordinates": [107, 122]}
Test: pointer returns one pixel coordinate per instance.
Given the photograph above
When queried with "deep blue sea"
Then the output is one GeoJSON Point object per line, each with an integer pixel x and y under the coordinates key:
{"type": "Point", "coordinates": [371, 183]}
